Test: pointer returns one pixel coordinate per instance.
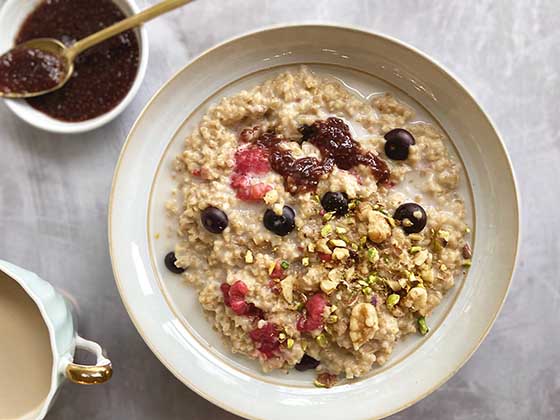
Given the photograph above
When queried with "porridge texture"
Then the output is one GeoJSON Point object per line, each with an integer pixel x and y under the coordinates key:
{"type": "Point", "coordinates": [319, 228]}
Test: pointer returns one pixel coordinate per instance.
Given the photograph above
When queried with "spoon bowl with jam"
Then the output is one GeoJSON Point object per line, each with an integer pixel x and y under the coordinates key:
{"type": "Point", "coordinates": [43, 65]}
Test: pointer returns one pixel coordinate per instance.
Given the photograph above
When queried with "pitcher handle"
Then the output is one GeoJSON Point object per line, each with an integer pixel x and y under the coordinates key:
{"type": "Point", "coordinates": [99, 373]}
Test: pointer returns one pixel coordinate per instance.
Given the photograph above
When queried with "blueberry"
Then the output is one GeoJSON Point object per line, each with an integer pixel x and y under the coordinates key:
{"type": "Point", "coordinates": [170, 260]}
{"type": "Point", "coordinates": [335, 201]}
{"type": "Point", "coordinates": [214, 219]}
{"type": "Point", "coordinates": [412, 216]}
{"type": "Point", "coordinates": [280, 225]}
{"type": "Point", "coordinates": [306, 363]}
{"type": "Point", "coordinates": [398, 142]}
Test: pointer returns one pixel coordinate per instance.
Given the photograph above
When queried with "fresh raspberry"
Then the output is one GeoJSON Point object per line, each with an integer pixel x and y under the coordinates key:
{"type": "Point", "coordinates": [238, 290]}
{"type": "Point", "coordinates": [252, 192]}
{"type": "Point", "coordinates": [238, 181]}
{"type": "Point", "coordinates": [251, 160]}
{"type": "Point", "coordinates": [266, 339]}
{"type": "Point", "coordinates": [234, 297]}
{"type": "Point", "coordinates": [324, 257]}
{"type": "Point", "coordinates": [240, 307]}
{"type": "Point", "coordinates": [315, 307]}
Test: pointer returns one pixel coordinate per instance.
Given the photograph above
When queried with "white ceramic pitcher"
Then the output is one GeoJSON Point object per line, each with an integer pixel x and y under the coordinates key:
{"type": "Point", "coordinates": [57, 313]}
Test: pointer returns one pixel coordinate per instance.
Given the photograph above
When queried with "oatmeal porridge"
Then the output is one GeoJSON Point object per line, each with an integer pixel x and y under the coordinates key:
{"type": "Point", "coordinates": [301, 237]}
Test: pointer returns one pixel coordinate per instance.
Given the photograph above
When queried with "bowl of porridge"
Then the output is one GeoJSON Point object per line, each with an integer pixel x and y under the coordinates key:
{"type": "Point", "coordinates": [318, 222]}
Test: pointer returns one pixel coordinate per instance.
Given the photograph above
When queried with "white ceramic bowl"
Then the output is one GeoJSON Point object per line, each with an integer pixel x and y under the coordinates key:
{"type": "Point", "coordinates": [166, 312]}
{"type": "Point", "coordinates": [12, 15]}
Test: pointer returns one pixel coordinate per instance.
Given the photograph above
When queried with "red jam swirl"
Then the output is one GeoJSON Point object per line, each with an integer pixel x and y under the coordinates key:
{"type": "Point", "coordinates": [333, 139]}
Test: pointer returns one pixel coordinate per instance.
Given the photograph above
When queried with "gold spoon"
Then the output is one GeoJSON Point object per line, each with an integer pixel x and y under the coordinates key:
{"type": "Point", "coordinates": [68, 54]}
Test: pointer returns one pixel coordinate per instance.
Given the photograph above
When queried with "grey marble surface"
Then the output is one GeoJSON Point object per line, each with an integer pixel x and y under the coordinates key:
{"type": "Point", "coordinates": [54, 192]}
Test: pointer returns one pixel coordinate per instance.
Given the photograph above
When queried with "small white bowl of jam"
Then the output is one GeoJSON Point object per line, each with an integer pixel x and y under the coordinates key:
{"type": "Point", "coordinates": [106, 77]}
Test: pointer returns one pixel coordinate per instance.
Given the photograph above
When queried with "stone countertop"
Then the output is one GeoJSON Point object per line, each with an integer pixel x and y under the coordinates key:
{"type": "Point", "coordinates": [54, 192]}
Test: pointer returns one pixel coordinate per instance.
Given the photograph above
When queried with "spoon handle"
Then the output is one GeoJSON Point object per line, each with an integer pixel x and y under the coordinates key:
{"type": "Point", "coordinates": [131, 22]}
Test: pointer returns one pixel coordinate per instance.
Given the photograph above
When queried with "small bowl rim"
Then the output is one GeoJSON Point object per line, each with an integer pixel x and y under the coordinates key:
{"type": "Point", "coordinates": [53, 125]}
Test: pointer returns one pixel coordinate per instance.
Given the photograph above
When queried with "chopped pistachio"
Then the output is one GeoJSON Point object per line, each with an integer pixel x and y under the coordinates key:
{"type": "Point", "coordinates": [443, 267]}
{"type": "Point", "coordinates": [392, 221]}
{"type": "Point", "coordinates": [285, 264]}
{"type": "Point", "coordinates": [299, 306]}
{"type": "Point", "coordinates": [392, 300]}
{"type": "Point", "coordinates": [363, 240]}
{"type": "Point", "coordinates": [467, 263]}
{"type": "Point", "coordinates": [340, 230]}
{"type": "Point", "coordinates": [415, 249]}
{"type": "Point", "coordinates": [311, 247]}
{"type": "Point", "coordinates": [363, 283]}
{"type": "Point", "coordinates": [303, 344]}
{"type": "Point", "coordinates": [373, 255]}
{"type": "Point", "coordinates": [326, 230]}
{"type": "Point", "coordinates": [443, 234]}
{"type": "Point", "coordinates": [322, 340]}
{"type": "Point", "coordinates": [332, 319]}
{"type": "Point", "coordinates": [353, 204]}
{"type": "Point", "coordinates": [423, 326]}
{"type": "Point", "coordinates": [354, 246]}
{"type": "Point", "coordinates": [328, 216]}
{"type": "Point", "coordinates": [305, 261]}
{"type": "Point", "coordinates": [337, 242]}
{"type": "Point", "coordinates": [467, 230]}
{"type": "Point", "coordinates": [344, 238]}
{"type": "Point", "coordinates": [282, 336]}
{"type": "Point", "coordinates": [367, 290]}
{"type": "Point", "coordinates": [415, 237]}
{"type": "Point", "coordinates": [333, 308]}
{"type": "Point", "coordinates": [372, 278]}
{"type": "Point", "coordinates": [290, 343]}
{"type": "Point", "coordinates": [249, 257]}
{"type": "Point", "coordinates": [407, 222]}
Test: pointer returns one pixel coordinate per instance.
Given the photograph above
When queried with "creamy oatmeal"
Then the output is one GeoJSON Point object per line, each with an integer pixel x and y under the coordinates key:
{"type": "Point", "coordinates": [311, 246]}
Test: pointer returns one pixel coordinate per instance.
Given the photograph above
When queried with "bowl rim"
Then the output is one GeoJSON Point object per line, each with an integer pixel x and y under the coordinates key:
{"type": "Point", "coordinates": [327, 25]}
{"type": "Point", "coordinates": [64, 127]}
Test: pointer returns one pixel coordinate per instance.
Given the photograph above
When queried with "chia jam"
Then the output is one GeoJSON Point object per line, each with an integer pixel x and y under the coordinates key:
{"type": "Point", "coordinates": [30, 70]}
{"type": "Point", "coordinates": [333, 139]}
{"type": "Point", "coordinates": [103, 74]}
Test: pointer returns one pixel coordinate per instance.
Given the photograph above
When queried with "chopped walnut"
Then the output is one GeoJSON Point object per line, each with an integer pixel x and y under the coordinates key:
{"type": "Point", "coordinates": [416, 300]}
{"type": "Point", "coordinates": [321, 246]}
{"type": "Point", "coordinates": [287, 288]}
{"type": "Point", "coordinates": [328, 286]}
{"type": "Point", "coordinates": [340, 254]}
{"type": "Point", "coordinates": [363, 324]}
{"type": "Point", "coordinates": [421, 257]}
{"type": "Point", "coordinates": [378, 228]}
